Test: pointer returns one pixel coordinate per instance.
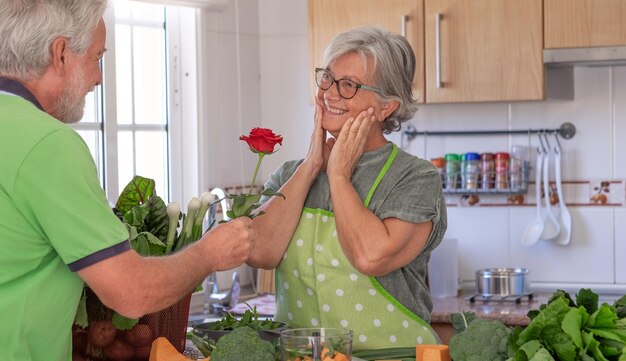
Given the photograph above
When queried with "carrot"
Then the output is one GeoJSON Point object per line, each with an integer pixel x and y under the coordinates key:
{"type": "Point", "coordinates": [340, 357]}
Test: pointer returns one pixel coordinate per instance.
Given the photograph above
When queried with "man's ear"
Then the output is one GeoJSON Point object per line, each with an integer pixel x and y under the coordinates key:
{"type": "Point", "coordinates": [58, 53]}
{"type": "Point", "coordinates": [387, 108]}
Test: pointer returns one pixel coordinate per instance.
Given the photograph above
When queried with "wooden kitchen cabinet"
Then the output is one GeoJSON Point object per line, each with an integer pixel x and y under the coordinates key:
{"type": "Point", "coordinates": [584, 23]}
{"type": "Point", "coordinates": [327, 18]}
{"type": "Point", "coordinates": [489, 50]}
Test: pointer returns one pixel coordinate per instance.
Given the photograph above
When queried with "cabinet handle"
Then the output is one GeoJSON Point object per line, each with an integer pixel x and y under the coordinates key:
{"type": "Point", "coordinates": [403, 22]}
{"type": "Point", "coordinates": [438, 82]}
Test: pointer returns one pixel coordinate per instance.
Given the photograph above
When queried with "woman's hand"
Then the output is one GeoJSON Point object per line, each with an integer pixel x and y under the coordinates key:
{"type": "Point", "coordinates": [348, 147]}
{"type": "Point", "coordinates": [319, 148]}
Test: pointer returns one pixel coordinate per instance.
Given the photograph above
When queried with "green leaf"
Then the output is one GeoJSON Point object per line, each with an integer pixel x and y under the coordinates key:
{"type": "Point", "coordinates": [587, 299]}
{"type": "Point", "coordinates": [146, 244]}
{"type": "Point", "coordinates": [243, 204]}
{"type": "Point", "coordinates": [81, 319]}
{"type": "Point", "coordinates": [157, 222]}
{"type": "Point", "coordinates": [123, 323]}
{"type": "Point", "coordinates": [604, 317]}
{"type": "Point", "coordinates": [461, 320]}
{"type": "Point", "coordinates": [137, 216]}
{"type": "Point", "coordinates": [572, 324]}
{"type": "Point", "coordinates": [270, 193]}
{"type": "Point", "coordinates": [136, 193]}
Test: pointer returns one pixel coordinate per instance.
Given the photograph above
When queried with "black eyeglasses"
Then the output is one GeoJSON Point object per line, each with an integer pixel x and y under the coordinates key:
{"type": "Point", "coordinates": [347, 88]}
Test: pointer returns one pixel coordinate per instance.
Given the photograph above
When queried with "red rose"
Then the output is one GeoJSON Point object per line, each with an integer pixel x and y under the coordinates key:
{"type": "Point", "coordinates": [262, 140]}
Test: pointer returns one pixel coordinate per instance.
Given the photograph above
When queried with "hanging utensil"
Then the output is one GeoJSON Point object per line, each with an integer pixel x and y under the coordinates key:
{"type": "Point", "coordinates": [565, 218]}
{"type": "Point", "coordinates": [551, 227]}
{"type": "Point", "coordinates": [533, 231]}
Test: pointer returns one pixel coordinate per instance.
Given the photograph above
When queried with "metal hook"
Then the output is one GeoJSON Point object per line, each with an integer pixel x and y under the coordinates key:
{"type": "Point", "coordinates": [545, 136]}
{"type": "Point", "coordinates": [543, 148]}
{"type": "Point", "coordinates": [558, 143]}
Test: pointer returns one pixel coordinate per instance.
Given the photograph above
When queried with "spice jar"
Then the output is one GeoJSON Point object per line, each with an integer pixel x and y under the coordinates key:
{"type": "Point", "coordinates": [487, 171]}
{"type": "Point", "coordinates": [470, 165]}
{"type": "Point", "coordinates": [502, 170]}
{"type": "Point", "coordinates": [453, 170]}
{"type": "Point", "coordinates": [440, 164]}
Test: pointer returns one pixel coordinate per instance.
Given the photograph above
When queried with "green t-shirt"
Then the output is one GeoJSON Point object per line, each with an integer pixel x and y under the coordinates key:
{"type": "Point", "coordinates": [410, 191]}
{"type": "Point", "coordinates": [55, 219]}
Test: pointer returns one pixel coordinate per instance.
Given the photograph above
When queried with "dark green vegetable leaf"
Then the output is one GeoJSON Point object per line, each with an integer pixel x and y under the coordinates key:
{"type": "Point", "coordinates": [243, 204]}
{"type": "Point", "coordinates": [146, 244]}
{"type": "Point", "coordinates": [461, 320]}
{"type": "Point", "coordinates": [123, 323]}
{"type": "Point", "coordinates": [136, 193]}
{"type": "Point", "coordinates": [604, 317]}
{"type": "Point", "coordinates": [270, 193]}
{"type": "Point", "coordinates": [587, 299]}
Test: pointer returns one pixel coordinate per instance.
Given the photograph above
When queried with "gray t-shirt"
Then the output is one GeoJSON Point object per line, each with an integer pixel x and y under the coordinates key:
{"type": "Point", "coordinates": [410, 191]}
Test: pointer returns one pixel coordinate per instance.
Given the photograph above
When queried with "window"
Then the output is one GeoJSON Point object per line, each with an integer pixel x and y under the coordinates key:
{"type": "Point", "coordinates": [127, 121]}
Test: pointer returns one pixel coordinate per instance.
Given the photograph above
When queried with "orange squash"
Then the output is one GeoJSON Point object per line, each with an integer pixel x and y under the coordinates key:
{"type": "Point", "coordinates": [163, 350]}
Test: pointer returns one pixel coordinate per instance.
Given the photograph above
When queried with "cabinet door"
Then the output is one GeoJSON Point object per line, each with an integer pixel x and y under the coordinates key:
{"type": "Point", "coordinates": [584, 23]}
{"type": "Point", "coordinates": [489, 50]}
{"type": "Point", "coordinates": [327, 18]}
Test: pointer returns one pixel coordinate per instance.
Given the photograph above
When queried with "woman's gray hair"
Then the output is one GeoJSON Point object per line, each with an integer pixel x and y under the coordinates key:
{"type": "Point", "coordinates": [28, 28]}
{"type": "Point", "coordinates": [394, 66]}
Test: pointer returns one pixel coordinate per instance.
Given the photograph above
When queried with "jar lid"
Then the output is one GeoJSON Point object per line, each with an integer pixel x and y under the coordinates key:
{"type": "Point", "coordinates": [486, 156]}
{"type": "Point", "coordinates": [502, 155]}
{"type": "Point", "coordinates": [452, 156]}
{"type": "Point", "coordinates": [438, 162]}
{"type": "Point", "coordinates": [471, 156]}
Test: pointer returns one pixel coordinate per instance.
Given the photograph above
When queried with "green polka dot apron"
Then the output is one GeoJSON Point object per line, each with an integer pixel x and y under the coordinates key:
{"type": "Point", "coordinates": [316, 286]}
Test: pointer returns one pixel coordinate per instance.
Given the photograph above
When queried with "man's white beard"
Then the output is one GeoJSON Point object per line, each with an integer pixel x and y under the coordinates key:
{"type": "Point", "coordinates": [71, 104]}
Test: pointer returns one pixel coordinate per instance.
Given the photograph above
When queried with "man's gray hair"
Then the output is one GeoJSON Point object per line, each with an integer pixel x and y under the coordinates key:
{"type": "Point", "coordinates": [394, 66]}
{"type": "Point", "coordinates": [28, 28]}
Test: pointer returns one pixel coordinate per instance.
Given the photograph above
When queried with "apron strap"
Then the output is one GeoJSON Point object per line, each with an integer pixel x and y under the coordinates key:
{"type": "Point", "coordinates": [381, 174]}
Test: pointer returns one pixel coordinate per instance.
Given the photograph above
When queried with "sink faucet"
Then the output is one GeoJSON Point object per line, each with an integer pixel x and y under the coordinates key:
{"type": "Point", "coordinates": [215, 302]}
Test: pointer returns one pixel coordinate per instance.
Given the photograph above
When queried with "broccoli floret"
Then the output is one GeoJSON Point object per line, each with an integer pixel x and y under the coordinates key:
{"type": "Point", "coordinates": [482, 340]}
{"type": "Point", "coordinates": [243, 344]}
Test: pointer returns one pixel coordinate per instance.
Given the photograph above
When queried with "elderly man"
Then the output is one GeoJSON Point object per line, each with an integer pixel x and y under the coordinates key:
{"type": "Point", "coordinates": [56, 229]}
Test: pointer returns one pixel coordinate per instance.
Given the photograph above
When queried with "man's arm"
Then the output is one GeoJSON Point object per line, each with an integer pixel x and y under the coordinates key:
{"type": "Point", "coordinates": [133, 285]}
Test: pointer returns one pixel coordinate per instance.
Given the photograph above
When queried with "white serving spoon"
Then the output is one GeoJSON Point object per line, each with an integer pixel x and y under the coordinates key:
{"type": "Point", "coordinates": [565, 218]}
{"type": "Point", "coordinates": [533, 230]}
{"type": "Point", "coordinates": [551, 228]}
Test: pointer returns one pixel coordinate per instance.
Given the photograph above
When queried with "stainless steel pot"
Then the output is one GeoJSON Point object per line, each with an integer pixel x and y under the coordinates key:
{"type": "Point", "coordinates": [502, 282]}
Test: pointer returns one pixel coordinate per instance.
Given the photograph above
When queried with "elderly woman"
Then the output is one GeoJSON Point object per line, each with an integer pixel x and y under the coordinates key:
{"type": "Point", "coordinates": [352, 238]}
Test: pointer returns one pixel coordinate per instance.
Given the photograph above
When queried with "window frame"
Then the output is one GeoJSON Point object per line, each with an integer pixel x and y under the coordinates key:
{"type": "Point", "coordinates": [182, 126]}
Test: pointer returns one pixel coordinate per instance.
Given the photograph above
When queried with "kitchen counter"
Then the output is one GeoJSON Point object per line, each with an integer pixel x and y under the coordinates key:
{"type": "Point", "coordinates": [508, 311]}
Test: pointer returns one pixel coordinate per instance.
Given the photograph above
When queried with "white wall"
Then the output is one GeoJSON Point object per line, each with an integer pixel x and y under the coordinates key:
{"type": "Point", "coordinates": [275, 75]}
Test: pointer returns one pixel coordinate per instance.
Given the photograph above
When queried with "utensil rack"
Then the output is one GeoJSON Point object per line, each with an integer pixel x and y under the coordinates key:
{"type": "Point", "coordinates": [566, 131]}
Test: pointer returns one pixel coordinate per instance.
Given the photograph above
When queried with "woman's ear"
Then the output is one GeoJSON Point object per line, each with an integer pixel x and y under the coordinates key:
{"type": "Point", "coordinates": [386, 109]}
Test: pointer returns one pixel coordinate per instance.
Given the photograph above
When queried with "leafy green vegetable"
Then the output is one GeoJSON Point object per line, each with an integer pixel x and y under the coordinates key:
{"type": "Point", "coordinates": [569, 330]}
{"type": "Point", "coordinates": [136, 193]}
{"type": "Point", "coordinates": [482, 340]}
{"type": "Point", "coordinates": [250, 318]}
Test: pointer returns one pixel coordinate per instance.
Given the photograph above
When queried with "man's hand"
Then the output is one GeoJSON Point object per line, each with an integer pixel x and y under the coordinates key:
{"type": "Point", "coordinates": [229, 244]}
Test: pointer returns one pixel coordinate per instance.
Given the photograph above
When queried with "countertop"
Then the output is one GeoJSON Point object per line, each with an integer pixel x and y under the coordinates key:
{"type": "Point", "coordinates": [508, 311]}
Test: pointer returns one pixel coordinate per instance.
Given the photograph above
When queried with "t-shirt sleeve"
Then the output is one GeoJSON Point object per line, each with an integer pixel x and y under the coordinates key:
{"type": "Point", "coordinates": [280, 176]}
{"type": "Point", "coordinates": [416, 197]}
{"type": "Point", "coordinates": [57, 187]}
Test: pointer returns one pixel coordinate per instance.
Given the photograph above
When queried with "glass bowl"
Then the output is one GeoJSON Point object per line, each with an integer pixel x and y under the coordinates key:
{"type": "Point", "coordinates": [316, 344]}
